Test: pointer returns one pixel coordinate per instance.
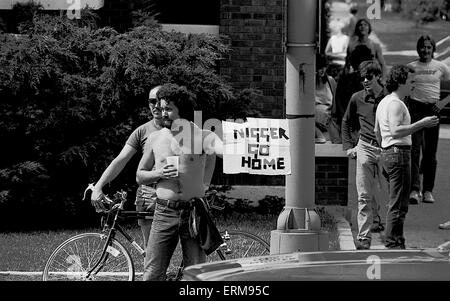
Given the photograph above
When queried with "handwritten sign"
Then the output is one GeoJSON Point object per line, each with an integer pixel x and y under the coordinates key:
{"type": "Point", "coordinates": [258, 146]}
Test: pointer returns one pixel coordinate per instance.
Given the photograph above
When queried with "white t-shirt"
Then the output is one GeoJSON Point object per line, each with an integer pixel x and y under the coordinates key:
{"type": "Point", "coordinates": [339, 43]}
{"type": "Point", "coordinates": [428, 78]}
{"type": "Point", "coordinates": [382, 118]}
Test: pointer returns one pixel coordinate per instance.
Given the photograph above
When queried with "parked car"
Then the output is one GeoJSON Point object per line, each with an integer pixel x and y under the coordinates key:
{"type": "Point", "coordinates": [411, 264]}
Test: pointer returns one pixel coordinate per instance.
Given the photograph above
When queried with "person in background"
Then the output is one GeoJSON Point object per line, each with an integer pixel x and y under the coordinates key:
{"type": "Point", "coordinates": [360, 114]}
{"type": "Point", "coordinates": [336, 48]}
{"type": "Point", "coordinates": [349, 82]}
{"type": "Point", "coordinates": [426, 94]}
{"type": "Point", "coordinates": [325, 96]}
{"type": "Point", "coordinates": [145, 194]}
{"type": "Point", "coordinates": [363, 29]}
{"type": "Point", "coordinates": [393, 129]}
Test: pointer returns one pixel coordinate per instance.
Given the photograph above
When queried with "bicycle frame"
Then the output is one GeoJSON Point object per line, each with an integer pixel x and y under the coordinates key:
{"type": "Point", "coordinates": [112, 211]}
{"type": "Point", "coordinates": [118, 213]}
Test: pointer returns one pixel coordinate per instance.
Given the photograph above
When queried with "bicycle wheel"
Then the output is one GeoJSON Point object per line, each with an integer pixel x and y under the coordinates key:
{"type": "Point", "coordinates": [72, 260]}
{"type": "Point", "coordinates": [240, 244]}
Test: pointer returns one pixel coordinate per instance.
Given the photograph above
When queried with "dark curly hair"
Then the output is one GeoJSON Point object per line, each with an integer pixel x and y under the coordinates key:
{"type": "Point", "coordinates": [397, 76]}
{"type": "Point", "coordinates": [181, 97]}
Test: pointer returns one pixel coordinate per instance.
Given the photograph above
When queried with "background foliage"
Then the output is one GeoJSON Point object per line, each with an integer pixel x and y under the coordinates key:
{"type": "Point", "coordinates": [71, 93]}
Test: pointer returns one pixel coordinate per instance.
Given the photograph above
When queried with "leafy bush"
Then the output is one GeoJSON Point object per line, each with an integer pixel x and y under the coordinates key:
{"type": "Point", "coordinates": [70, 96]}
{"type": "Point", "coordinates": [424, 11]}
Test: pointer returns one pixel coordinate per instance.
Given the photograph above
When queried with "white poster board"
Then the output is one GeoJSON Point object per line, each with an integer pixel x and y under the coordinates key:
{"type": "Point", "coordinates": [258, 146]}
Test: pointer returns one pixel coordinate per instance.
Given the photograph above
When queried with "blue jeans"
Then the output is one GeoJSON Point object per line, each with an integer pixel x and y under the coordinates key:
{"type": "Point", "coordinates": [168, 227]}
{"type": "Point", "coordinates": [397, 169]}
{"type": "Point", "coordinates": [145, 201]}
{"type": "Point", "coordinates": [368, 186]}
{"type": "Point", "coordinates": [424, 141]}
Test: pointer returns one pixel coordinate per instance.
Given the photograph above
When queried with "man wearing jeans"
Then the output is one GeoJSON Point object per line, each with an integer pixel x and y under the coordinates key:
{"type": "Point", "coordinates": [145, 194]}
{"type": "Point", "coordinates": [426, 94]}
{"type": "Point", "coordinates": [176, 187]}
{"type": "Point", "coordinates": [360, 114]}
{"type": "Point", "coordinates": [393, 129]}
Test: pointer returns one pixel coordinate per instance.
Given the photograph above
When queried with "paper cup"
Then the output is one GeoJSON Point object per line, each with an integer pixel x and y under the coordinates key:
{"type": "Point", "coordinates": [173, 160]}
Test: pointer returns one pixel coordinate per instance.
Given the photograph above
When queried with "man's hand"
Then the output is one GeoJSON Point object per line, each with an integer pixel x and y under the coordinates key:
{"type": "Point", "coordinates": [96, 199]}
{"type": "Point", "coordinates": [168, 171]}
{"type": "Point", "coordinates": [351, 153]}
{"type": "Point", "coordinates": [429, 121]}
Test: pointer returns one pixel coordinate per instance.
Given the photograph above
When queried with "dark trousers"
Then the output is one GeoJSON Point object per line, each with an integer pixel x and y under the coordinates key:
{"type": "Point", "coordinates": [424, 142]}
{"type": "Point", "coordinates": [397, 169]}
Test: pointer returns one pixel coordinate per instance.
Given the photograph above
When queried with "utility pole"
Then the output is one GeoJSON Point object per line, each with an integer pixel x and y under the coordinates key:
{"type": "Point", "coordinates": [298, 226]}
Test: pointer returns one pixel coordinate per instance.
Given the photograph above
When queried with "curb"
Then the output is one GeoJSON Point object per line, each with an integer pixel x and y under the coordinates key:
{"type": "Point", "coordinates": [345, 236]}
{"type": "Point", "coordinates": [342, 215]}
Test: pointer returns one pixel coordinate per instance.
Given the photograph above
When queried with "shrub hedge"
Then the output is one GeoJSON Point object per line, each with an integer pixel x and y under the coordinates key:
{"type": "Point", "coordinates": [70, 96]}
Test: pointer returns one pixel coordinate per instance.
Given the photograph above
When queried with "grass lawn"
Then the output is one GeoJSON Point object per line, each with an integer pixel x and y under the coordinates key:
{"type": "Point", "coordinates": [29, 251]}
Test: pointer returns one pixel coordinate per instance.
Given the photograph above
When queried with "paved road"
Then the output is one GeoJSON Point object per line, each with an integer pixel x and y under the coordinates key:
{"type": "Point", "coordinates": [421, 227]}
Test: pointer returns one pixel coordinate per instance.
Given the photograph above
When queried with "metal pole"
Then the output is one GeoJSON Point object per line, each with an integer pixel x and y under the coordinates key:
{"type": "Point", "coordinates": [298, 223]}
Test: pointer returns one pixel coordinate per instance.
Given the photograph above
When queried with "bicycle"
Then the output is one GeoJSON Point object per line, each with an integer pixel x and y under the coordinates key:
{"type": "Point", "coordinates": [101, 256]}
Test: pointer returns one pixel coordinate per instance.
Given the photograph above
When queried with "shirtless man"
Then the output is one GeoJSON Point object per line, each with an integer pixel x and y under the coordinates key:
{"type": "Point", "coordinates": [176, 187]}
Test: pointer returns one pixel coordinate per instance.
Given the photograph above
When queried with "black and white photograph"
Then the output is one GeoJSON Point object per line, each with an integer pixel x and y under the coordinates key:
{"type": "Point", "coordinates": [233, 148]}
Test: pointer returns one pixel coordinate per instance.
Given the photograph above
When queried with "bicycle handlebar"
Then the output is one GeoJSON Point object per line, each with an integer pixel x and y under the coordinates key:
{"type": "Point", "coordinates": [119, 196]}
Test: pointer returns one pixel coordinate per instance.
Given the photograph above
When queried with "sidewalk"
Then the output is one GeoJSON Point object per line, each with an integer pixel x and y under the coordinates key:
{"type": "Point", "coordinates": [422, 220]}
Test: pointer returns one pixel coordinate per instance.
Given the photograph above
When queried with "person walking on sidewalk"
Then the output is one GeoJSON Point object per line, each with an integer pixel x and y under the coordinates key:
{"type": "Point", "coordinates": [360, 115]}
{"type": "Point", "coordinates": [426, 93]}
{"type": "Point", "coordinates": [393, 130]}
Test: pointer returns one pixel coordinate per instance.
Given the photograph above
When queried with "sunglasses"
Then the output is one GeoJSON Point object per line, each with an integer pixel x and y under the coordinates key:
{"type": "Point", "coordinates": [369, 77]}
{"type": "Point", "coordinates": [152, 101]}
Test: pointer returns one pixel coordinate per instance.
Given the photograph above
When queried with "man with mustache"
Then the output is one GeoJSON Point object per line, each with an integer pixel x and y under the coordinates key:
{"type": "Point", "coordinates": [145, 194]}
{"type": "Point", "coordinates": [360, 114]}
{"type": "Point", "coordinates": [177, 188]}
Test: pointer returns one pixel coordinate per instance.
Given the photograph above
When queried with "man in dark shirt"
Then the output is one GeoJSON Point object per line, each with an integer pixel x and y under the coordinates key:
{"type": "Point", "coordinates": [360, 114]}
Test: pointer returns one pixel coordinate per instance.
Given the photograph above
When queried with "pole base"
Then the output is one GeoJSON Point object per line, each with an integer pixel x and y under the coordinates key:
{"type": "Point", "coordinates": [297, 240]}
{"type": "Point", "coordinates": [298, 218]}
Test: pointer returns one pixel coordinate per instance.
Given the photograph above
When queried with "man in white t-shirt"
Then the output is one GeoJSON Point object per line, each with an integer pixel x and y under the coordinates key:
{"type": "Point", "coordinates": [427, 77]}
{"type": "Point", "coordinates": [393, 130]}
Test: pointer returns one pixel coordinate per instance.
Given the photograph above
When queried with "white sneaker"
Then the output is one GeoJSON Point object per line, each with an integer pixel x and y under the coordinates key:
{"type": "Point", "coordinates": [445, 226]}
{"type": "Point", "coordinates": [428, 197]}
{"type": "Point", "coordinates": [415, 197]}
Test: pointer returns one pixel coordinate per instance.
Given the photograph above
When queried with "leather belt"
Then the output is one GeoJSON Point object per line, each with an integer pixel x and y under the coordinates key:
{"type": "Point", "coordinates": [370, 141]}
{"type": "Point", "coordinates": [174, 204]}
{"type": "Point", "coordinates": [398, 146]}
